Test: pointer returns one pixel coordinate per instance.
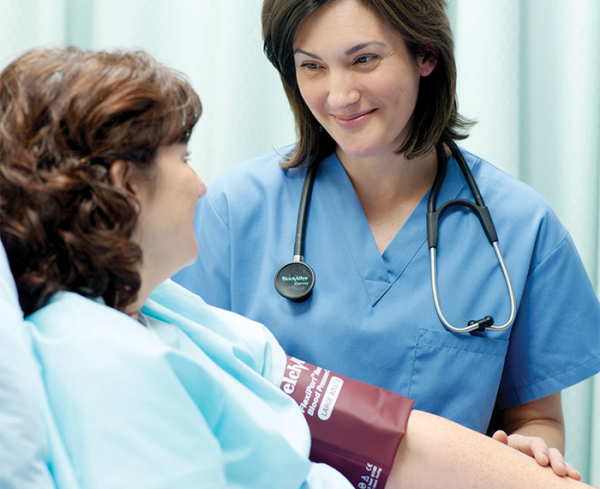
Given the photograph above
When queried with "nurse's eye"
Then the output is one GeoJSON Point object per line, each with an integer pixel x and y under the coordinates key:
{"type": "Point", "coordinates": [310, 66]}
{"type": "Point", "coordinates": [365, 59]}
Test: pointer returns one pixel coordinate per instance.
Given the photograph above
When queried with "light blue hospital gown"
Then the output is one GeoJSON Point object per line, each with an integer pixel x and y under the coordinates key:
{"type": "Point", "coordinates": [371, 316]}
{"type": "Point", "coordinates": [104, 402]}
{"type": "Point", "coordinates": [23, 447]}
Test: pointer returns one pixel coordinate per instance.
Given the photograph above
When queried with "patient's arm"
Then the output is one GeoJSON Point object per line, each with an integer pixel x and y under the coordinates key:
{"type": "Point", "coordinates": [537, 429]}
{"type": "Point", "coordinates": [437, 453]}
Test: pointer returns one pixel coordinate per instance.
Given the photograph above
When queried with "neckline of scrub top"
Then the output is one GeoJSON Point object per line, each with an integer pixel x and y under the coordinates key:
{"type": "Point", "coordinates": [378, 271]}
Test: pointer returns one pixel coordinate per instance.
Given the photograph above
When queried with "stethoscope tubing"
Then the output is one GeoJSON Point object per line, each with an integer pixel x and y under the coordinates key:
{"type": "Point", "coordinates": [473, 325]}
{"type": "Point", "coordinates": [481, 211]}
{"type": "Point", "coordinates": [307, 188]}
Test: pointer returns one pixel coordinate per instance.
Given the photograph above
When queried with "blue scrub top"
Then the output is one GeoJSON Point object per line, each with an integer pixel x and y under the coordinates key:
{"type": "Point", "coordinates": [371, 316]}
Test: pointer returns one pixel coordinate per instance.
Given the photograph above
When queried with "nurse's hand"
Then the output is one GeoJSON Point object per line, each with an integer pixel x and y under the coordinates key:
{"type": "Point", "coordinates": [536, 447]}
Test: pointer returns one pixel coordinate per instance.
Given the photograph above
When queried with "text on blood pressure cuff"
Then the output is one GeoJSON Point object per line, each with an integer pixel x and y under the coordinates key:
{"type": "Point", "coordinates": [355, 427]}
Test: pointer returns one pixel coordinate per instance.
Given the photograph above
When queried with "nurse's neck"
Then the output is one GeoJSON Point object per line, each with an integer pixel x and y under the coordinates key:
{"type": "Point", "coordinates": [389, 188]}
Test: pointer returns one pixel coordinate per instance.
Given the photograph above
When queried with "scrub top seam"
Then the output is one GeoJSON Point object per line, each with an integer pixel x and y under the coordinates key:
{"type": "Point", "coordinates": [488, 354]}
{"type": "Point", "coordinates": [552, 252]}
{"type": "Point", "coordinates": [409, 261]}
{"type": "Point", "coordinates": [212, 206]}
{"type": "Point", "coordinates": [346, 239]}
{"type": "Point", "coordinates": [579, 365]}
{"type": "Point", "coordinates": [420, 335]}
{"type": "Point", "coordinates": [374, 302]}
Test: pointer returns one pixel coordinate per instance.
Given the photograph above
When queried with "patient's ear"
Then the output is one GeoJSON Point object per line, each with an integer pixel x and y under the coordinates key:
{"type": "Point", "coordinates": [121, 175]}
{"type": "Point", "coordinates": [128, 177]}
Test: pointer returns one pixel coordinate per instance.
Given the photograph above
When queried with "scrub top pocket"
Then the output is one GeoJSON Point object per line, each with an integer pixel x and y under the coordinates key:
{"type": "Point", "coordinates": [473, 364]}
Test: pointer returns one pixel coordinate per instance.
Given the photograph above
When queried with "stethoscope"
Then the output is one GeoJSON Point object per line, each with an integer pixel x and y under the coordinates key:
{"type": "Point", "coordinates": [296, 279]}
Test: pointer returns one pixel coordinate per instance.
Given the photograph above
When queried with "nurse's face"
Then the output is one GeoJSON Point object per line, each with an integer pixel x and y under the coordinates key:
{"type": "Point", "coordinates": [165, 229]}
{"type": "Point", "coordinates": [357, 77]}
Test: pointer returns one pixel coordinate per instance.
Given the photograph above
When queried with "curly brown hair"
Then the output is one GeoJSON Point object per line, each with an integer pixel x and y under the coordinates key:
{"type": "Point", "coordinates": [65, 116]}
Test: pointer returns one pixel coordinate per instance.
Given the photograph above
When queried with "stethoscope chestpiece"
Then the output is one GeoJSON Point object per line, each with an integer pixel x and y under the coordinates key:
{"type": "Point", "coordinates": [295, 281]}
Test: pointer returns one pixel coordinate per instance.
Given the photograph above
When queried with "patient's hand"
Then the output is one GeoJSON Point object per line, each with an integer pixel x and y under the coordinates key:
{"type": "Point", "coordinates": [536, 447]}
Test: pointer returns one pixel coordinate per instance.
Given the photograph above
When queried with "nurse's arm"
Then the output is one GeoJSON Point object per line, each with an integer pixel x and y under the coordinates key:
{"type": "Point", "coordinates": [536, 428]}
{"type": "Point", "coordinates": [437, 453]}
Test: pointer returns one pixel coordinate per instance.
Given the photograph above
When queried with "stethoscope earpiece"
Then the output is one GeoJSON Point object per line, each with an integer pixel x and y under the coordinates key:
{"type": "Point", "coordinates": [295, 281]}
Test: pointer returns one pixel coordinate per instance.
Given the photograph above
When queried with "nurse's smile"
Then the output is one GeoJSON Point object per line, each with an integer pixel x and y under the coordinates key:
{"type": "Point", "coordinates": [355, 73]}
{"type": "Point", "coordinates": [353, 121]}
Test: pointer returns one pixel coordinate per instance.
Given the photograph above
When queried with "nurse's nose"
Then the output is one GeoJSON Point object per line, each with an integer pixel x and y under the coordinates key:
{"type": "Point", "coordinates": [342, 91]}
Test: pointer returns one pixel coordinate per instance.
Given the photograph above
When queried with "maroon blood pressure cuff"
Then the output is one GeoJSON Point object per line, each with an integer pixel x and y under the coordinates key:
{"type": "Point", "coordinates": [355, 427]}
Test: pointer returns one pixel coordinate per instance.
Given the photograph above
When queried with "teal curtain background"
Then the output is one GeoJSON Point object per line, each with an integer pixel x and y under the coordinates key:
{"type": "Point", "coordinates": [529, 73]}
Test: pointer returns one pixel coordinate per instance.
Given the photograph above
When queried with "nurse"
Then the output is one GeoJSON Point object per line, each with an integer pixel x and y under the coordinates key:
{"type": "Point", "coordinates": [372, 88]}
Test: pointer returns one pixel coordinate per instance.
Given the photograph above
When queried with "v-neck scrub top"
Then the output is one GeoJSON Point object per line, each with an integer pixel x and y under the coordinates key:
{"type": "Point", "coordinates": [371, 316]}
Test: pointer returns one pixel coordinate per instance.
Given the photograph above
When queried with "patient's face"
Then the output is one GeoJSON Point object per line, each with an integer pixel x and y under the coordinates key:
{"type": "Point", "coordinates": [165, 228]}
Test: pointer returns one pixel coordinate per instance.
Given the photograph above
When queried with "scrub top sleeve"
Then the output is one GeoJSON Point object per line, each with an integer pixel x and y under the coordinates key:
{"type": "Point", "coordinates": [209, 276]}
{"type": "Point", "coordinates": [555, 340]}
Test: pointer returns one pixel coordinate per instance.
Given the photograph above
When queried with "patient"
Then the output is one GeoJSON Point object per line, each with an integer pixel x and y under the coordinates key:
{"type": "Point", "coordinates": [139, 383]}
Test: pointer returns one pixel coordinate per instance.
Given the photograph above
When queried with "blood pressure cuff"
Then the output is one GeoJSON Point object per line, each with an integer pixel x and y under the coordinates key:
{"type": "Point", "coordinates": [355, 427]}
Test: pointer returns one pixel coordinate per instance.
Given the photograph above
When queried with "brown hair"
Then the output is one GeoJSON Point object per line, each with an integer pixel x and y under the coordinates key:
{"type": "Point", "coordinates": [65, 116]}
{"type": "Point", "coordinates": [425, 28]}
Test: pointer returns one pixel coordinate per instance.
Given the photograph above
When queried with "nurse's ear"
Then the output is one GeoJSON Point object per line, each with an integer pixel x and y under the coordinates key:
{"type": "Point", "coordinates": [428, 60]}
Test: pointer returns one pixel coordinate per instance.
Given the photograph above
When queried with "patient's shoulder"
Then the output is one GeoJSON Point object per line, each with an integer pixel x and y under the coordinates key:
{"type": "Point", "coordinates": [68, 315]}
